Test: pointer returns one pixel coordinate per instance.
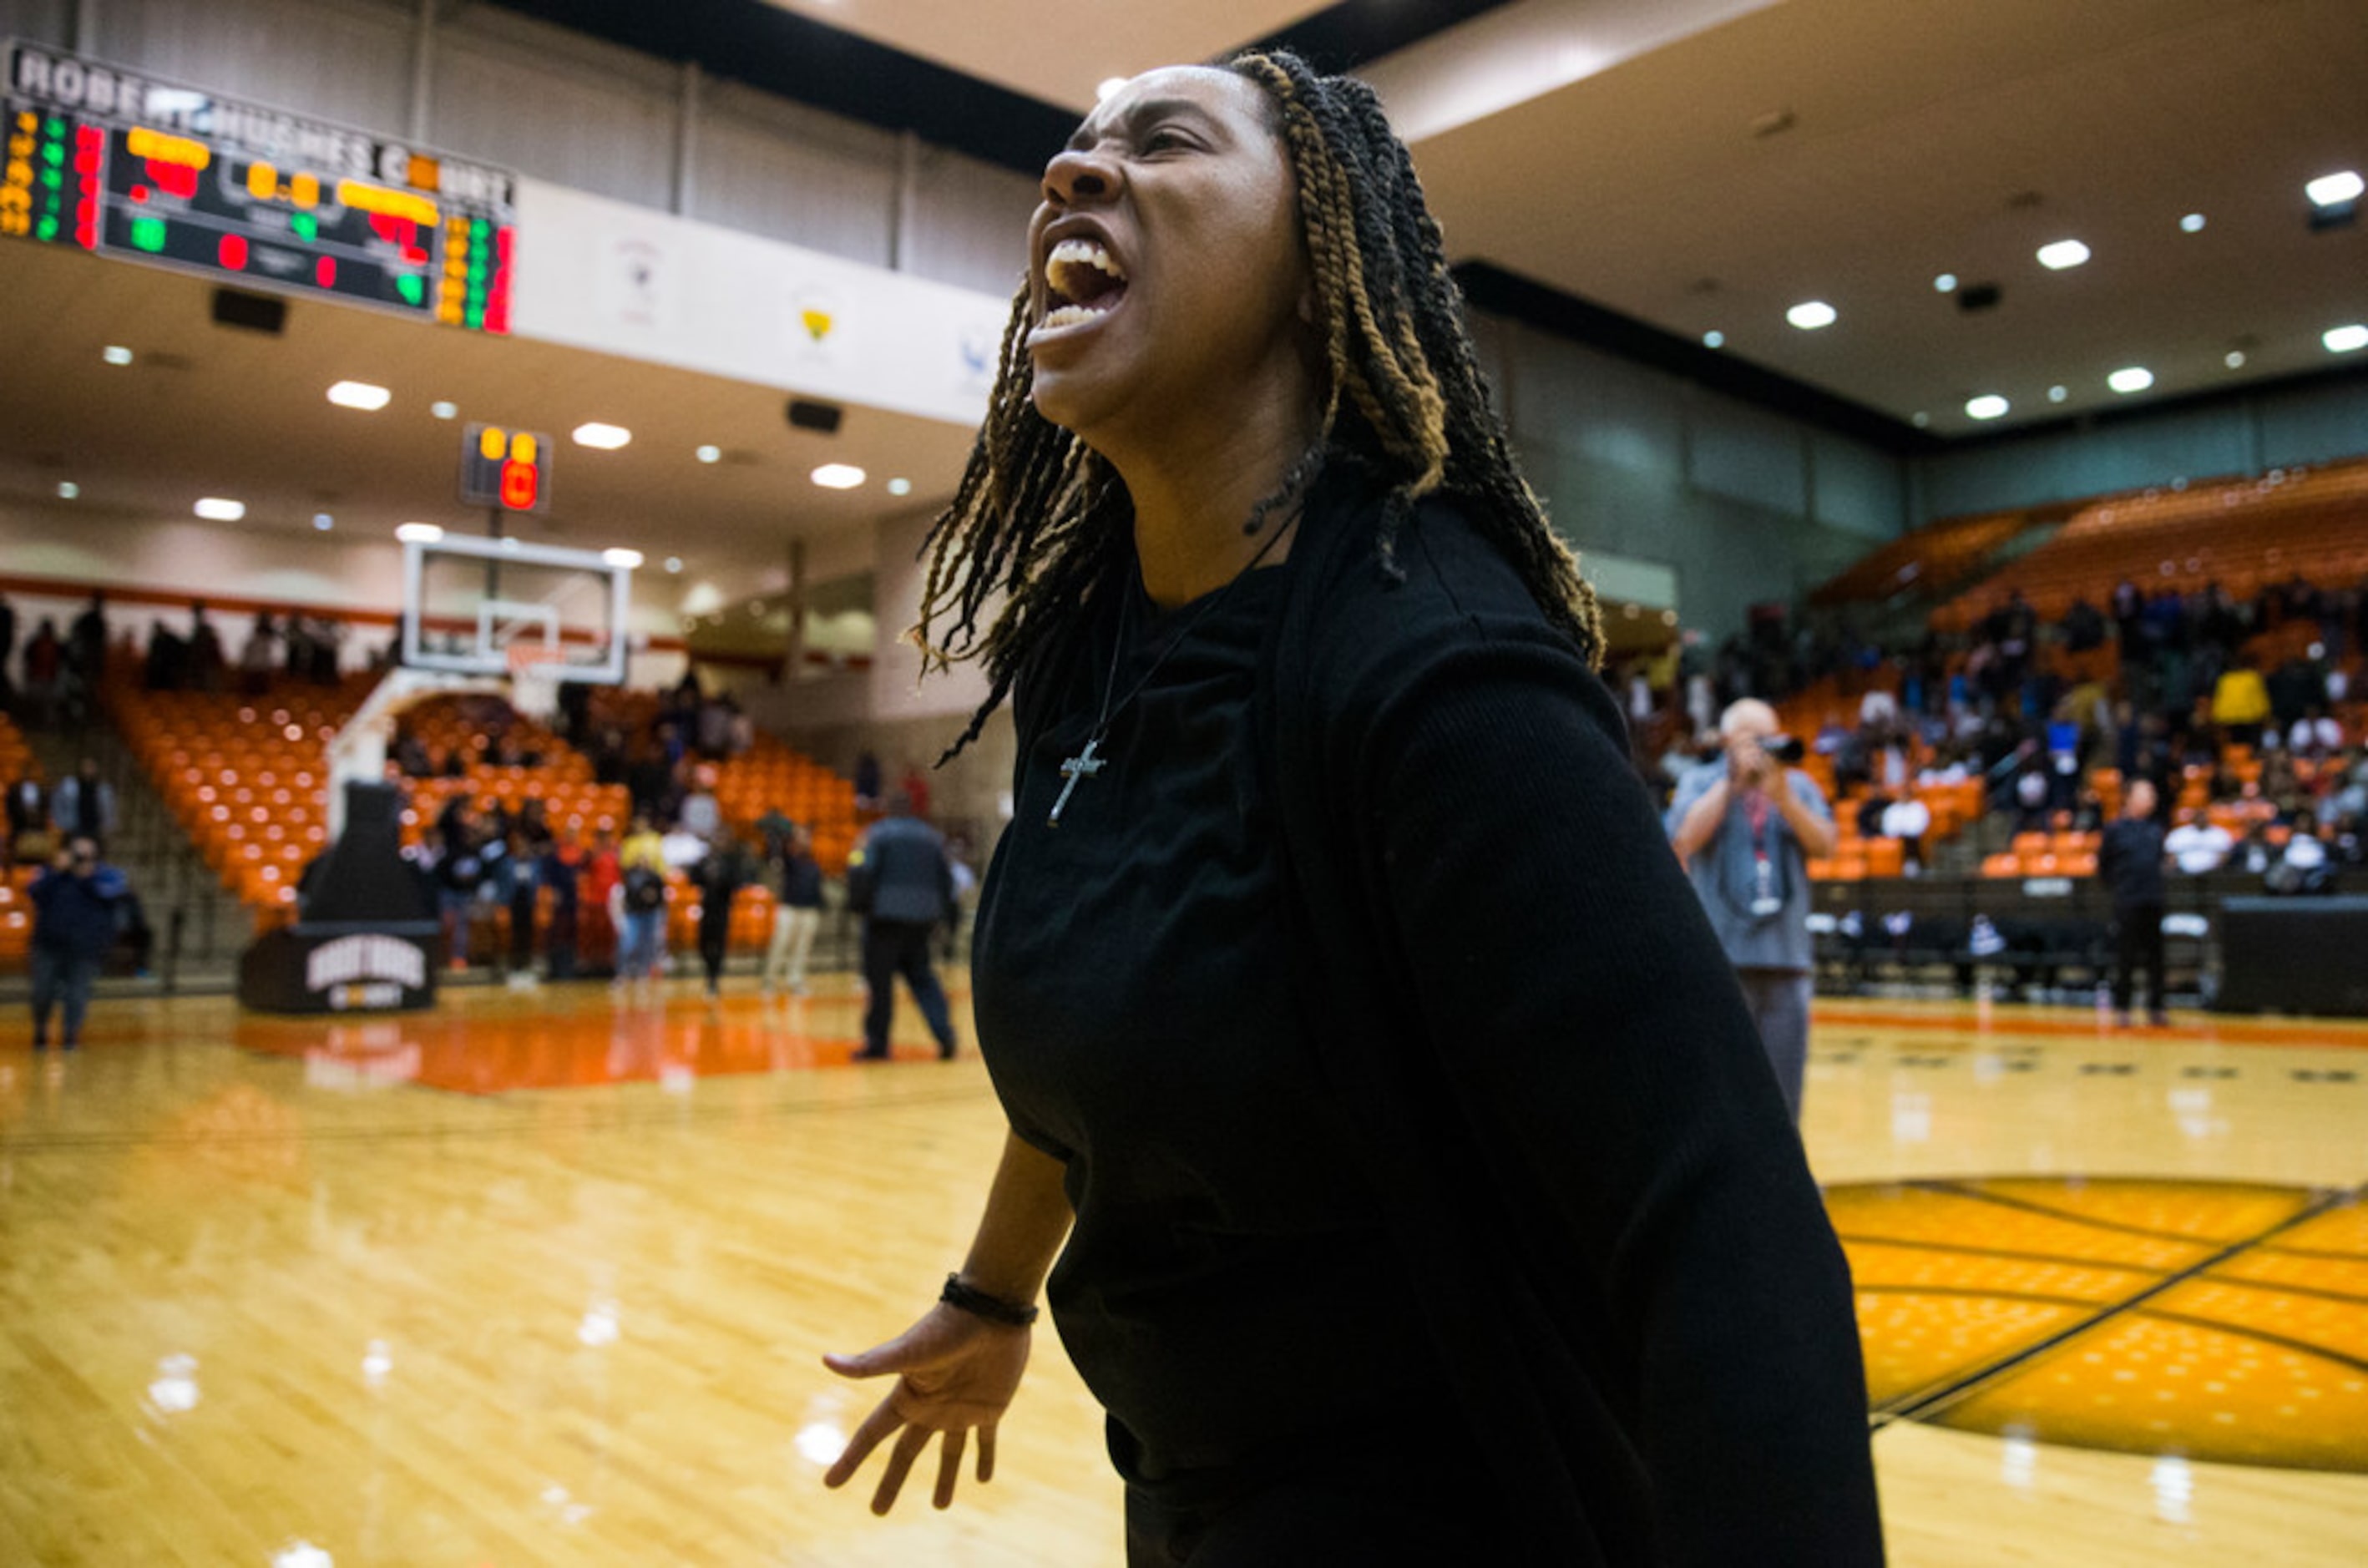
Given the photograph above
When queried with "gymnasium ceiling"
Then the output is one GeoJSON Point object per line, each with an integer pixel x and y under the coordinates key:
{"type": "Point", "coordinates": [1684, 166]}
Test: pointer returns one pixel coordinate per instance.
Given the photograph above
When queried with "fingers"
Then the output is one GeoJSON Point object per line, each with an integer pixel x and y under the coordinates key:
{"type": "Point", "coordinates": [986, 1453]}
{"type": "Point", "coordinates": [888, 1356]}
{"type": "Point", "coordinates": [909, 1444]}
{"type": "Point", "coordinates": [950, 1457]}
{"type": "Point", "coordinates": [883, 1420]}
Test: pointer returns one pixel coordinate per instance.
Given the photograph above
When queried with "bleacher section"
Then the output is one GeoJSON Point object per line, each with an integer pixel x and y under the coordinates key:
{"type": "Point", "coordinates": [2245, 534]}
{"type": "Point", "coordinates": [1933, 561]}
{"type": "Point", "coordinates": [15, 911]}
{"type": "Point", "coordinates": [244, 776]}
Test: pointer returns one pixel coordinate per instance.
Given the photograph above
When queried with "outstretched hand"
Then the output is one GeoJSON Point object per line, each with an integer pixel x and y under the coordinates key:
{"type": "Point", "coordinates": [956, 1373]}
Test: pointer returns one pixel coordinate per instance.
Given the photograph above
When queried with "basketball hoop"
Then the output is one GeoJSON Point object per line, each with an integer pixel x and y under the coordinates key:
{"type": "Point", "coordinates": [535, 669]}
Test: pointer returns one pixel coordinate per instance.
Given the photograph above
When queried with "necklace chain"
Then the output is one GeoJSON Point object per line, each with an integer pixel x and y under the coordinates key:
{"type": "Point", "coordinates": [1086, 763]}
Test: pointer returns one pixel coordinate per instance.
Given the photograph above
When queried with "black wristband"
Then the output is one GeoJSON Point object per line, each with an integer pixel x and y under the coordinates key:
{"type": "Point", "coordinates": [978, 1303]}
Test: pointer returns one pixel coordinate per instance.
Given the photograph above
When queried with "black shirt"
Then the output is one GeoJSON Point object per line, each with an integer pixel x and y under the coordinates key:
{"type": "Point", "coordinates": [1135, 1009]}
{"type": "Point", "coordinates": [2130, 860]}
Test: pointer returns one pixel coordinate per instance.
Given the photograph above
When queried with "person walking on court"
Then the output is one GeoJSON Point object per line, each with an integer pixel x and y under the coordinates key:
{"type": "Point", "coordinates": [1417, 1188]}
{"type": "Point", "coordinates": [2130, 860]}
{"type": "Point", "coordinates": [899, 877]}
{"type": "Point", "coordinates": [77, 900]}
{"type": "Point", "coordinates": [797, 911]}
{"type": "Point", "coordinates": [1746, 827]}
{"type": "Point", "coordinates": [720, 875]}
{"type": "Point", "coordinates": [638, 904]}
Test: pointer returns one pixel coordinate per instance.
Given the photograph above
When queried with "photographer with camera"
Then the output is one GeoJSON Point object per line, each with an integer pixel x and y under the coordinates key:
{"type": "Point", "coordinates": [1746, 825]}
{"type": "Point", "coordinates": [75, 903]}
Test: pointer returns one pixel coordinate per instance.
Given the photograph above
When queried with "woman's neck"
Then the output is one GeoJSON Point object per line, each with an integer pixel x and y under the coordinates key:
{"type": "Point", "coordinates": [1191, 503]}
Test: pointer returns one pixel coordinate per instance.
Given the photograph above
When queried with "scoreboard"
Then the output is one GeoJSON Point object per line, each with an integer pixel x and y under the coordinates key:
{"type": "Point", "coordinates": [120, 164]}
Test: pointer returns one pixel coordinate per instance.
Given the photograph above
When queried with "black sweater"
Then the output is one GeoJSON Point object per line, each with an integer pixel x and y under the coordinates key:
{"type": "Point", "coordinates": [1555, 1091]}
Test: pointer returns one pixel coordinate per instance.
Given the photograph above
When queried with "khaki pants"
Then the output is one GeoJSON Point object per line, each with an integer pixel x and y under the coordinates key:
{"type": "Point", "coordinates": [793, 935]}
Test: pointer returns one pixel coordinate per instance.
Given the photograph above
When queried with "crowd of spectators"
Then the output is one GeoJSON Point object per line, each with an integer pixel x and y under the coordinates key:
{"type": "Point", "coordinates": [599, 901]}
{"type": "Point", "coordinates": [2242, 714]}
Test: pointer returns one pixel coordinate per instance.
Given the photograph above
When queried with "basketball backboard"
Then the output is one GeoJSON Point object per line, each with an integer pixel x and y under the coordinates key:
{"type": "Point", "coordinates": [482, 606]}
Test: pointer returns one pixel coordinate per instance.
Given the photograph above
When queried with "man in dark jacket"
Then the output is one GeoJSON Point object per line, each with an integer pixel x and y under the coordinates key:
{"type": "Point", "coordinates": [900, 878]}
{"type": "Point", "coordinates": [74, 904]}
{"type": "Point", "coordinates": [2130, 863]}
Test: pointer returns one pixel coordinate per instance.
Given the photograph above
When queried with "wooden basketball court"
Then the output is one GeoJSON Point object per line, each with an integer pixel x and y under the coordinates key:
{"type": "Point", "coordinates": [545, 1279]}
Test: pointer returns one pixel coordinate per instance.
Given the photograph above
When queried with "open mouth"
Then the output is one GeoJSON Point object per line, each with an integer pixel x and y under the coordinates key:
{"type": "Point", "coordinates": [1081, 282]}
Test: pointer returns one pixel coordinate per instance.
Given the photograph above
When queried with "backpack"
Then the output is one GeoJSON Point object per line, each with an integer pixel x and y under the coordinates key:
{"type": "Point", "coordinates": [644, 891]}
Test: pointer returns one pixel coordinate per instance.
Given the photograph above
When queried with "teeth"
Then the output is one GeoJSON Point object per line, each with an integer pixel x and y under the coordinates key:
{"type": "Point", "coordinates": [1083, 253]}
{"type": "Point", "coordinates": [1067, 315]}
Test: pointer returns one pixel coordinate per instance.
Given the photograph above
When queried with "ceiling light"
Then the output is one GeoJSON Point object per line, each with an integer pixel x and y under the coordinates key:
{"type": "Point", "coordinates": [900, 488]}
{"type": "Point", "coordinates": [1921, 419]}
{"type": "Point", "coordinates": [2334, 190]}
{"type": "Point", "coordinates": [674, 563]}
{"type": "Point", "coordinates": [1990, 405]}
{"type": "Point", "coordinates": [628, 559]}
{"type": "Point", "coordinates": [2345, 339]}
{"type": "Point", "coordinates": [2132, 378]}
{"type": "Point", "coordinates": [709, 454]}
{"type": "Point", "coordinates": [1810, 314]}
{"type": "Point", "coordinates": [443, 408]}
{"type": "Point", "coordinates": [221, 509]}
{"type": "Point", "coordinates": [323, 522]}
{"type": "Point", "coordinates": [2191, 225]}
{"type": "Point", "coordinates": [838, 476]}
{"type": "Point", "coordinates": [2235, 359]}
{"type": "Point", "coordinates": [1714, 339]}
{"type": "Point", "coordinates": [1109, 86]}
{"type": "Point", "coordinates": [359, 394]}
{"type": "Point", "coordinates": [419, 533]}
{"type": "Point", "coordinates": [2063, 254]}
{"type": "Point", "coordinates": [115, 354]}
{"type": "Point", "coordinates": [1946, 283]}
{"type": "Point", "coordinates": [68, 489]}
{"type": "Point", "coordinates": [2057, 395]}
{"type": "Point", "coordinates": [607, 437]}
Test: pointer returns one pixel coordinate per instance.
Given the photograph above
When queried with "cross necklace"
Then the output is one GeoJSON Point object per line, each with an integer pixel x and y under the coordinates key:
{"type": "Point", "coordinates": [1087, 762]}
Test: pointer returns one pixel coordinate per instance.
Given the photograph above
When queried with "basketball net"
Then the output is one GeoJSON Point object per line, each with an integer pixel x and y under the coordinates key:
{"type": "Point", "coordinates": [534, 678]}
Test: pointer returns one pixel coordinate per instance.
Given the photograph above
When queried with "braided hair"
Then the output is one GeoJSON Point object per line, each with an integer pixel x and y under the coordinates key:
{"type": "Point", "coordinates": [1042, 519]}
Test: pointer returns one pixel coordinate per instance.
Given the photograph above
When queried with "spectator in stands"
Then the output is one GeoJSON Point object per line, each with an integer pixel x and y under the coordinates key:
{"type": "Point", "coordinates": [7, 649]}
{"type": "Point", "coordinates": [638, 904]}
{"type": "Point", "coordinates": [720, 875]}
{"type": "Point", "coordinates": [43, 666]}
{"type": "Point", "coordinates": [867, 781]}
{"type": "Point", "coordinates": [796, 879]}
{"type": "Point", "coordinates": [297, 645]}
{"type": "Point", "coordinates": [85, 805]}
{"type": "Point", "coordinates": [462, 870]}
{"type": "Point", "coordinates": [900, 881]}
{"type": "Point", "coordinates": [1747, 826]}
{"type": "Point", "coordinates": [257, 657]}
{"type": "Point", "coordinates": [649, 784]}
{"type": "Point", "coordinates": [701, 815]}
{"type": "Point", "coordinates": [75, 909]}
{"type": "Point", "coordinates": [2084, 626]}
{"type": "Point", "coordinates": [714, 729]}
{"type": "Point", "coordinates": [2241, 705]}
{"type": "Point", "coordinates": [915, 789]}
{"type": "Point", "coordinates": [2130, 862]}
{"type": "Point", "coordinates": [30, 841]}
{"type": "Point", "coordinates": [86, 640]}
{"type": "Point", "coordinates": [205, 662]}
{"type": "Point", "coordinates": [2200, 845]}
